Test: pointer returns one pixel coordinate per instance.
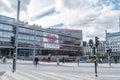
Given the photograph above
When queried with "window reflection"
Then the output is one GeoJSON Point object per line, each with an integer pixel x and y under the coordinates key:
{"type": "Point", "coordinates": [6, 34]}
{"type": "Point", "coordinates": [5, 39]}
{"type": "Point", "coordinates": [30, 31]}
{"type": "Point", "coordinates": [6, 27]}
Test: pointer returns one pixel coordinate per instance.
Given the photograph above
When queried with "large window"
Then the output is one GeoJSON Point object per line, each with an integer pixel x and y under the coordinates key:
{"type": "Point", "coordinates": [6, 34]}
{"type": "Point", "coordinates": [6, 27]}
{"type": "Point", "coordinates": [26, 37]}
{"type": "Point", "coordinates": [40, 33]}
{"type": "Point", "coordinates": [5, 39]}
{"type": "Point", "coordinates": [24, 30]}
{"type": "Point", "coordinates": [39, 39]}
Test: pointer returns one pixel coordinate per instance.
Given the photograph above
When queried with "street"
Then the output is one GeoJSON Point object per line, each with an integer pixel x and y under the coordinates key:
{"type": "Point", "coordinates": [50, 71]}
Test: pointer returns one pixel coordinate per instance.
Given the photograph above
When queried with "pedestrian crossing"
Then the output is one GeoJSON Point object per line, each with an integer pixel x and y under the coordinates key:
{"type": "Point", "coordinates": [44, 75]}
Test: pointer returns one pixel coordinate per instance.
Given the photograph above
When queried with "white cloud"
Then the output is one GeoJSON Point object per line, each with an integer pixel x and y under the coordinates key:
{"type": "Point", "coordinates": [92, 16]}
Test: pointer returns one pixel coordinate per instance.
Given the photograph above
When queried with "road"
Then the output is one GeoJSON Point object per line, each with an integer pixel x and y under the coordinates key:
{"type": "Point", "coordinates": [67, 71]}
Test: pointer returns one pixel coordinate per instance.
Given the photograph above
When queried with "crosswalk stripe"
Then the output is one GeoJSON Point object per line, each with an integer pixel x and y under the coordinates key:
{"type": "Point", "coordinates": [69, 76]}
{"type": "Point", "coordinates": [17, 76]}
{"type": "Point", "coordinates": [4, 78]}
{"type": "Point", "coordinates": [28, 75]}
{"type": "Point", "coordinates": [45, 75]}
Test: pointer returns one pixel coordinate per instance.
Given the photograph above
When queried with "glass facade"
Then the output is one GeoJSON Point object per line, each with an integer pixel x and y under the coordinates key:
{"type": "Point", "coordinates": [6, 32]}
{"type": "Point", "coordinates": [7, 19]}
{"type": "Point", "coordinates": [43, 40]}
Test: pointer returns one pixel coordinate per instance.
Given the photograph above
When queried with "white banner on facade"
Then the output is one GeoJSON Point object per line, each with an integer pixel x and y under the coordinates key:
{"type": "Point", "coordinates": [51, 40]}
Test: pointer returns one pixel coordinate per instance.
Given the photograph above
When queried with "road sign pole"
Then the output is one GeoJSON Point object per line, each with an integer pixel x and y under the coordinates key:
{"type": "Point", "coordinates": [95, 61]}
{"type": "Point", "coordinates": [14, 63]}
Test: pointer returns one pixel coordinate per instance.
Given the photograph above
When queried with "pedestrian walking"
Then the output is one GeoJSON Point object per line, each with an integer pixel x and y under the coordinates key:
{"type": "Point", "coordinates": [115, 58]}
{"type": "Point", "coordinates": [49, 59]}
{"type": "Point", "coordinates": [36, 60]}
{"type": "Point", "coordinates": [63, 59]}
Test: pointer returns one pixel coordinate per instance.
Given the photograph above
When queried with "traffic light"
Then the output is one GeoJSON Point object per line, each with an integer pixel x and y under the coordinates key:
{"type": "Point", "coordinates": [91, 43]}
{"type": "Point", "coordinates": [110, 50]}
{"type": "Point", "coordinates": [12, 41]}
{"type": "Point", "coordinates": [97, 42]}
{"type": "Point", "coordinates": [14, 30]}
{"type": "Point", "coordinates": [78, 52]}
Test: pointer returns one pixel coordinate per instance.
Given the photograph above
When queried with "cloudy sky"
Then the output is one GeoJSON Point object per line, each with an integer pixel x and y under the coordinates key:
{"type": "Point", "coordinates": [93, 17]}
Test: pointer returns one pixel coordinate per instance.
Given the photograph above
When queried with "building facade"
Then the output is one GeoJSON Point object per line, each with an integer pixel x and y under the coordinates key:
{"type": "Point", "coordinates": [32, 37]}
{"type": "Point", "coordinates": [113, 43]}
{"type": "Point", "coordinates": [101, 48]}
{"type": "Point", "coordinates": [87, 49]}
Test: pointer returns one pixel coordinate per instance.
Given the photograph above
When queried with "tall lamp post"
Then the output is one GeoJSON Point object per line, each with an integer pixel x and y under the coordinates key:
{"type": "Point", "coordinates": [16, 39]}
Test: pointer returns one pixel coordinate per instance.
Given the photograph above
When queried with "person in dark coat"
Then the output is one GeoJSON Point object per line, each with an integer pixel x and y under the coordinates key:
{"type": "Point", "coordinates": [36, 60]}
{"type": "Point", "coordinates": [115, 58]}
{"type": "Point", "coordinates": [63, 59]}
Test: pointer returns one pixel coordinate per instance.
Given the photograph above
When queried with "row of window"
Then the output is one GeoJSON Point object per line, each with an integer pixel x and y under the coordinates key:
{"type": "Point", "coordinates": [30, 31]}
{"type": "Point", "coordinates": [114, 39]}
{"type": "Point", "coordinates": [40, 33]}
{"type": "Point", "coordinates": [117, 46]}
{"type": "Point", "coordinates": [5, 39]}
{"type": "Point", "coordinates": [115, 50]}
{"type": "Point", "coordinates": [6, 34]}
{"type": "Point", "coordinates": [6, 27]}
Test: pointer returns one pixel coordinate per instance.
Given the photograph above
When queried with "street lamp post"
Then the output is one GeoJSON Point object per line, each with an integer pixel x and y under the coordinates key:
{"type": "Point", "coordinates": [34, 45]}
{"type": "Point", "coordinates": [16, 39]}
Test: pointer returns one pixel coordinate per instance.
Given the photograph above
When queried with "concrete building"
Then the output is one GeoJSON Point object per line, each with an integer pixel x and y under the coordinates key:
{"type": "Point", "coordinates": [87, 49]}
{"type": "Point", "coordinates": [30, 37]}
{"type": "Point", "coordinates": [101, 48]}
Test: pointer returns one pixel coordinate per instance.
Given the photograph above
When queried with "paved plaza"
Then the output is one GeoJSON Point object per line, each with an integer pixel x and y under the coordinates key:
{"type": "Point", "coordinates": [51, 71]}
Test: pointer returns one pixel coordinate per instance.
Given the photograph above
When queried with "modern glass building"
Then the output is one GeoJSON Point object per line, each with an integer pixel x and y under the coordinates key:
{"type": "Point", "coordinates": [32, 37]}
{"type": "Point", "coordinates": [6, 32]}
